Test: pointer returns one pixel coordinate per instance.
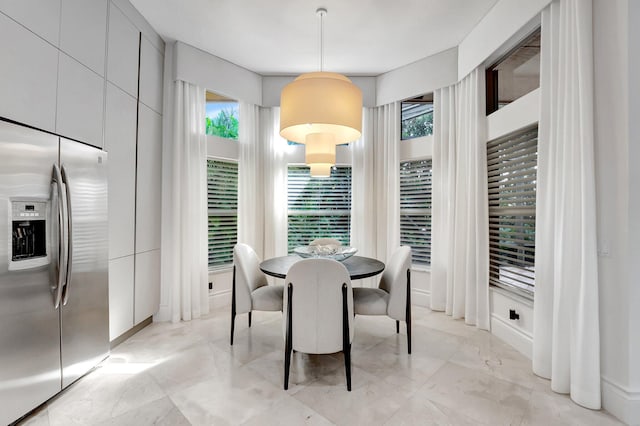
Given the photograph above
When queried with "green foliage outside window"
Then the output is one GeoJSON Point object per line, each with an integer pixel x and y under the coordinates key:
{"type": "Point", "coordinates": [415, 127]}
{"type": "Point", "coordinates": [225, 125]}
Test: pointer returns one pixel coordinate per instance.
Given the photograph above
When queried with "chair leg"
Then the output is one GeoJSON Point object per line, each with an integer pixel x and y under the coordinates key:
{"type": "Point", "coordinates": [233, 304]}
{"type": "Point", "coordinates": [397, 327]}
{"type": "Point", "coordinates": [249, 319]}
{"type": "Point", "coordinates": [346, 344]}
{"type": "Point", "coordinates": [288, 339]}
{"type": "Point", "coordinates": [408, 317]}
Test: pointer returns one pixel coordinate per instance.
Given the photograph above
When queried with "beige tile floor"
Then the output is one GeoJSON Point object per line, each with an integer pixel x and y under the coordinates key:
{"type": "Point", "coordinates": [182, 374]}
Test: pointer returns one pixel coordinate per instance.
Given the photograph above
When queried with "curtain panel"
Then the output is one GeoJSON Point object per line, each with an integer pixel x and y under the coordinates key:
{"type": "Point", "coordinates": [250, 179]}
{"type": "Point", "coordinates": [386, 176]}
{"type": "Point", "coordinates": [566, 339]}
{"type": "Point", "coordinates": [275, 183]}
{"type": "Point", "coordinates": [363, 212]}
{"type": "Point", "coordinates": [460, 259]}
{"type": "Point", "coordinates": [184, 269]}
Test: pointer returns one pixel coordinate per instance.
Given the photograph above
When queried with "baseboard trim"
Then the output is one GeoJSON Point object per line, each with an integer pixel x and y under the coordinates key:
{"type": "Point", "coordinates": [163, 314]}
{"type": "Point", "coordinates": [127, 334]}
{"type": "Point", "coordinates": [219, 299]}
{"type": "Point", "coordinates": [622, 402]}
{"type": "Point", "coordinates": [420, 297]}
{"type": "Point", "coordinates": [522, 342]}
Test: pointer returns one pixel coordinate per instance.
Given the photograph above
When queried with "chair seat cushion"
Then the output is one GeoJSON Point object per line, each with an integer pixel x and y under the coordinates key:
{"type": "Point", "coordinates": [370, 301]}
{"type": "Point", "coordinates": [267, 298]}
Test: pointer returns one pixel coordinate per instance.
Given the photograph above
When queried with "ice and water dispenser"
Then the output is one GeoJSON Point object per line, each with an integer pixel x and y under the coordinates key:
{"type": "Point", "coordinates": [29, 234]}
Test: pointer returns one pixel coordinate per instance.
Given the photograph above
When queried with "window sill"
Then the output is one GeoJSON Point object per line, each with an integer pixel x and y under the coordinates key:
{"type": "Point", "coordinates": [513, 295]}
{"type": "Point", "coordinates": [421, 268]}
{"type": "Point", "coordinates": [221, 269]}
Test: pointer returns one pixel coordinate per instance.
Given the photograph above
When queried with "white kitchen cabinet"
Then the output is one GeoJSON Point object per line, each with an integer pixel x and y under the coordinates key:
{"type": "Point", "coordinates": [40, 16]}
{"type": "Point", "coordinates": [147, 288]}
{"type": "Point", "coordinates": [121, 293]}
{"type": "Point", "coordinates": [151, 74]}
{"type": "Point", "coordinates": [120, 143]}
{"type": "Point", "coordinates": [122, 52]}
{"type": "Point", "coordinates": [80, 102]}
{"type": "Point", "coordinates": [28, 76]}
{"type": "Point", "coordinates": [83, 32]}
{"type": "Point", "coordinates": [149, 179]}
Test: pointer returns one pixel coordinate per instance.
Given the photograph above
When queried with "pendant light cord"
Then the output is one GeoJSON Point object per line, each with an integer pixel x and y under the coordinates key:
{"type": "Point", "coordinates": [321, 12]}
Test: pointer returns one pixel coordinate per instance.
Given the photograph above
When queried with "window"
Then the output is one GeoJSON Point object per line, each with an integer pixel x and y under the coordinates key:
{"type": "Point", "coordinates": [417, 117]}
{"type": "Point", "coordinates": [415, 209]}
{"type": "Point", "coordinates": [511, 163]}
{"type": "Point", "coordinates": [222, 206]}
{"type": "Point", "coordinates": [318, 207]}
{"type": "Point", "coordinates": [514, 75]}
{"type": "Point", "coordinates": [221, 116]}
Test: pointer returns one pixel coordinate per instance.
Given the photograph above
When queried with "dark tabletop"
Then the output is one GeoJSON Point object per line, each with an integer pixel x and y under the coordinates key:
{"type": "Point", "coordinates": [358, 266]}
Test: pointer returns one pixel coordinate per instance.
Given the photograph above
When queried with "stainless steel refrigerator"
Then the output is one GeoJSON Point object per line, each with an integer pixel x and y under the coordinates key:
{"type": "Point", "coordinates": [54, 316]}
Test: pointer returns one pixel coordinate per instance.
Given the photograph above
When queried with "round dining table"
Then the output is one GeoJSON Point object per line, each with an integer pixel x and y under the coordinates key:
{"type": "Point", "coordinates": [358, 266]}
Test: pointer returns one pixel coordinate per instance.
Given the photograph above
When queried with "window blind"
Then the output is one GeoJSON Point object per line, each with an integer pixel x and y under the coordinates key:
{"type": "Point", "coordinates": [511, 168]}
{"type": "Point", "coordinates": [222, 207]}
{"type": "Point", "coordinates": [415, 209]}
{"type": "Point", "coordinates": [318, 207]}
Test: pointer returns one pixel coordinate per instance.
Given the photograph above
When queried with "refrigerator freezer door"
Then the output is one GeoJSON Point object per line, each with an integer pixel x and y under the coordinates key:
{"type": "Point", "coordinates": [85, 309]}
{"type": "Point", "coordinates": [29, 323]}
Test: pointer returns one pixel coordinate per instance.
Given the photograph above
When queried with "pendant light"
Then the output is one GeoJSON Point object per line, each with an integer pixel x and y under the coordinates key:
{"type": "Point", "coordinates": [321, 110]}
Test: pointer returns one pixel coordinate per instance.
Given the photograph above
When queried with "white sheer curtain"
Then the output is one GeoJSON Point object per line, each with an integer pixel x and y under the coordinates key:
{"type": "Point", "coordinates": [250, 179]}
{"type": "Point", "coordinates": [460, 270]}
{"type": "Point", "coordinates": [443, 184]}
{"type": "Point", "coordinates": [363, 212]}
{"type": "Point", "coordinates": [184, 266]}
{"type": "Point", "coordinates": [275, 183]}
{"type": "Point", "coordinates": [386, 176]}
{"type": "Point", "coordinates": [566, 339]}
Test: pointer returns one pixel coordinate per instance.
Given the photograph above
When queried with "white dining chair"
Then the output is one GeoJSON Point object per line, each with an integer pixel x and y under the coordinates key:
{"type": "Point", "coordinates": [250, 290]}
{"type": "Point", "coordinates": [318, 311]}
{"type": "Point", "coordinates": [393, 295]}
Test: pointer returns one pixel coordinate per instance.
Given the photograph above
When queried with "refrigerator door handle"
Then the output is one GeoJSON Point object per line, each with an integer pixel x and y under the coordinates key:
{"type": "Point", "coordinates": [68, 217]}
{"type": "Point", "coordinates": [63, 235]}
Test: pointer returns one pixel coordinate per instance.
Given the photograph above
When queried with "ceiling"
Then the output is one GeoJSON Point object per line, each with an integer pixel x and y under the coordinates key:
{"type": "Point", "coordinates": [281, 37]}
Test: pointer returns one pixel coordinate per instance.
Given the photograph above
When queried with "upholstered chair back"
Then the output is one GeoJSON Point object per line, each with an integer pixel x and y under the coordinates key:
{"type": "Point", "coordinates": [248, 275]}
{"type": "Point", "coordinates": [394, 282]}
{"type": "Point", "coordinates": [317, 305]}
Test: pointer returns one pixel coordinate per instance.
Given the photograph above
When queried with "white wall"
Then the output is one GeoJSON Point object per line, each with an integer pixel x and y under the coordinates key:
{"type": "Point", "coordinates": [216, 74]}
{"type": "Point", "coordinates": [508, 19]}
{"type": "Point", "coordinates": [418, 78]}
{"type": "Point", "coordinates": [634, 195]}
{"type": "Point", "coordinates": [616, 61]}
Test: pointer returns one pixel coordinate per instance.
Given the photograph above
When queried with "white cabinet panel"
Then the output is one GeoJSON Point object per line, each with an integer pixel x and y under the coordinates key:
{"type": "Point", "coordinates": [40, 16]}
{"type": "Point", "coordinates": [80, 102]}
{"type": "Point", "coordinates": [149, 179]}
{"type": "Point", "coordinates": [120, 143]}
{"type": "Point", "coordinates": [83, 31]}
{"type": "Point", "coordinates": [147, 287]}
{"type": "Point", "coordinates": [151, 71]}
{"type": "Point", "coordinates": [121, 292]}
{"type": "Point", "coordinates": [28, 76]}
{"type": "Point", "coordinates": [122, 52]}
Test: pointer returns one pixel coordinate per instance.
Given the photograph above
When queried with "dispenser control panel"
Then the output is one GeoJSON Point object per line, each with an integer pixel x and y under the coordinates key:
{"type": "Point", "coordinates": [29, 234]}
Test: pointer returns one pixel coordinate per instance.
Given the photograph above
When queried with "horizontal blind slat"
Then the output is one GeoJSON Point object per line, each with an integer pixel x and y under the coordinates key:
{"type": "Point", "coordinates": [512, 185]}
{"type": "Point", "coordinates": [318, 207]}
{"type": "Point", "coordinates": [415, 208]}
{"type": "Point", "coordinates": [222, 205]}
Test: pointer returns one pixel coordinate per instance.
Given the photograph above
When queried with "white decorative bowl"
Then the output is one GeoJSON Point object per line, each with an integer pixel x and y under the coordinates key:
{"type": "Point", "coordinates": [339, 253]}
